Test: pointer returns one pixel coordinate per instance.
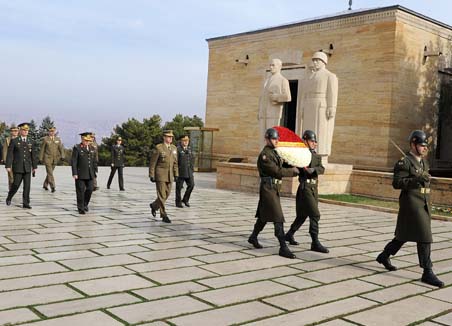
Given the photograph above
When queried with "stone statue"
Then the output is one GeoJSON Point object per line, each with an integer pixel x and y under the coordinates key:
{"type": "Point", "coordinates": [275, 92]}
{"type": "Point", "coordinates": [319, 91]}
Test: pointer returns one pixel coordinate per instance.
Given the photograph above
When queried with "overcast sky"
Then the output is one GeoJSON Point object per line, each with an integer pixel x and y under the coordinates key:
{"type": "Point", "coordinates": [107, 60]}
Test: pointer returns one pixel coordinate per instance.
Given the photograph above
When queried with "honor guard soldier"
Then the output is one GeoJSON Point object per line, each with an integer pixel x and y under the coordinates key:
{"type": "Point", "coordinates": [163, 171]}
{"type": "Point", "coordinates": [84, 166]}
{"type": "Point", "coordinates": [185, 163]}
{"type": "Point", "coordinates": [52, 151]}
{"type": "Point", "coordinates": [307, 199]}
{"type": "Point", "coordinates": [23, 161]}
{"type": "Point", "coordinates": [271, 171]}
{"type": "Point", "coordinates": [414, 217]}
{"type": "Point", "coordinates": [95, 147]}
{"type": "Point", "coordinates": [117, 163]}
{"type": "Point", "coordinates": [13, 133]}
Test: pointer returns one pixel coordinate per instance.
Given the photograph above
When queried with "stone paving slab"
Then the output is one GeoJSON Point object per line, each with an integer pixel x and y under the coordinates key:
{"type": "Point", "coordinates": [119, 266]}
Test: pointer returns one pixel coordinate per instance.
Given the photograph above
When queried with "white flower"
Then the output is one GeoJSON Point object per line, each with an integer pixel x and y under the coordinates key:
{"type": "Point", "coordinates": [295, 156]}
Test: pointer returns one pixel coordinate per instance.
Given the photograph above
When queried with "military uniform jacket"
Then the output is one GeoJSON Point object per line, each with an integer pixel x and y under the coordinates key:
{"type": "Point", "coordinates": [5, 148]}
{"type": "Point", "coordinates": [21, 155]}
{"type": "Point", "coordinates": [117, 156]}
{"type": "Point", "coordinates": [95, 147]}
{"type": "Point", "coordinates": [270, 167]}
{"type": "Point", "coordinates": [52, 150]}
{"type": "Point", "coordinates": [307, 193]}
{"type": "Point", "coordinates": [163, 166]}
{"type": "Point", "coordinates": [185, 162]}
{"type": "Point", "coordinates": [413, 219]}
{"type": "Point", "coordinates": [84, 163]}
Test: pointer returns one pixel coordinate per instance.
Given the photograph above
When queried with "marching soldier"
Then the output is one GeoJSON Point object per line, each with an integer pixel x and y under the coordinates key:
{"type": "Point", "coordinates": [52, 151]}
{"type": "Point", "coordinates": [307, 199]}
{"type": "Point", "coordinates": [117, 163]}
{"type": "Point", "coordinates": [13, 133]}
{"type": "Point", "coordinates": [185, 163]}
{"type": "Point", "coordinates": [414, 217]}
{"type": "Point", "coordinates": [163, 171]}
{"type": "Point", "coordinates": [269, 208]}
{"type": "Point", "coordinates": [84, 167]}
{"type": "Point", "coordinates": [95, 147]}
{"type": "Point", "coordinates": [22, 160]}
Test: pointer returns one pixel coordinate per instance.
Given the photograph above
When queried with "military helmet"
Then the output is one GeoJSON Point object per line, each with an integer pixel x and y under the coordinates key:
{"type": "Point", "coordinates": [321, 56]}
{"type": "Point", "coordinates": [272, 133]}
{"type": "Point", "coordinates": [309, 135]}
{"type": "Point", "coordinates": [418, 137]}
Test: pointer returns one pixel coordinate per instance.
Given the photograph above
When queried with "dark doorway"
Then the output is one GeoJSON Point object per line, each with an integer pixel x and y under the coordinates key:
{"type": "Point", "coordinates": [289, 116]}
{"type": "Point", "coordinates": [442, 165]}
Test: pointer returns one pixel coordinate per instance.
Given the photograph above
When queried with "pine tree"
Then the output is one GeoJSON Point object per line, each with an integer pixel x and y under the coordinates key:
{"type": "Point", "coordinates": [46, 124]}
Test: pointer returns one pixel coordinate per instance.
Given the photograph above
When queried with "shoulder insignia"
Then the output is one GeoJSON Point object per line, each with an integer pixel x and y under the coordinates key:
{"type": "Point", "coordinates": [264, 157]}
{"type": "Point", "coordinates": [401, 162]}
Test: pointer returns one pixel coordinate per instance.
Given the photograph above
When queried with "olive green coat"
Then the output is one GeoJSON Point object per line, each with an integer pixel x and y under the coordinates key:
{"type": "Point", "coordinates": [413, 219]}
{"type": "Point", "coordinates": [307, 199]}
{"type": "Point", "coordinates": [270, 164]}
{"type": "Point", "coordinates": [163, 165]}
{"type": "Point", "coordinates": [51, 150]}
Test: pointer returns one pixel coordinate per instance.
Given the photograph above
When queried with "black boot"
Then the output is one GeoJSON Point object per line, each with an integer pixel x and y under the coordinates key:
{"type": "Point", "coordinates": [430, 278]}
{"type": "Point", "coordinates": [179, 204]}
{"type": "Point", "coordinates": [284, 251]}
{"type": "Point", "coordinates": [317, 246]}
{"type": "Point", "coordinates": [258, 227]}
{"type": "Point", "coordinates": [383, 258]}
{"type": "Point", "coordinates": [290, 239]}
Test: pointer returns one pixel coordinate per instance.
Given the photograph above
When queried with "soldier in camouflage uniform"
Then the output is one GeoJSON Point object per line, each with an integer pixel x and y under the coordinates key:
{"type": "Point", "coordinates": [414, 217]}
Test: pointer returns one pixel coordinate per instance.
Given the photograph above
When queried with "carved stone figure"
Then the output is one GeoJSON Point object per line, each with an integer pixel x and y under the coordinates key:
{"type": "Point", "coordinates": [275, 92]}
{"type": "Point", "coordinates": [319, 90]}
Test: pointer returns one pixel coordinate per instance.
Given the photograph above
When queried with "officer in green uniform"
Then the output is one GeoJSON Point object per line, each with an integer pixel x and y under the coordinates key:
{"type": "Point", "coordinates": [163, 170]}
{"type": "Point", "coordinates": [52, 151]}
{"type": "Point", "coordinates": [23, 161]}
{"type": "Point", "coordinates": [117, 163]}
{"type": "Point", "coordinates": [185, 163]}
{"type": "Point", "coordinates": [307, 199]}
{"type": "Point", "coordinates": [13, 133]}
{"type": "Point", "coordinates": [84, 166]}
{"type": "Point", "coordinates": [271, 171]}
{"type": "Point", "coordinates": [414, 217]}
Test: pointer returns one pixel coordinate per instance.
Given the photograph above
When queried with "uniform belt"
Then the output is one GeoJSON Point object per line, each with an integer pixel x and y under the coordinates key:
{"type": "Point", "coordinates": [311, 181]}
{"type": "Point", "coordinates": [271, 180]}
{"type": "Point", "coordinates": [425, 190]}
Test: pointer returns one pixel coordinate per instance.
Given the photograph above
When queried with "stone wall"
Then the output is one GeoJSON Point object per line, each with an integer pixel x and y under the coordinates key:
{"type": "Point", "coordinates": [385, 90]}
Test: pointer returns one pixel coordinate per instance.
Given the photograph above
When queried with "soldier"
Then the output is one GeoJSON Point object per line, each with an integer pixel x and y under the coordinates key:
{"type": "Point", "coordinates": [22, 160]}
{"type": "Point", "coordinates": [414, 217]}
{"type": "Point", "coordinates": [52, 151]}
{"type": "Point", "coordinates": [185, 163]}
{"type": "Point", "coordinates": [84, 167]}
{"type": "Point", "coordinates": [95, 147]}
{"type": "Point", "coordinates": [163, 170]}
{"type": "Point", "coordinates": [117, 163]}
{"type": "Point", "coordinates": [269, 208]}
{"type": "Point", "coordinates": [307, 199]}
{"type": "Point", "coordinates": [13, 132]}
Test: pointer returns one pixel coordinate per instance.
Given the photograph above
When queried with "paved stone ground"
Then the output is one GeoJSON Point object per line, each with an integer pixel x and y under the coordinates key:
{"type": "Point", "coordinates": [118, 266]}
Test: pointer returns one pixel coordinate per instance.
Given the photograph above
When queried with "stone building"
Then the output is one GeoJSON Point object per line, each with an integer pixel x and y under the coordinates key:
{"type": "Point", "coordinates": [391, 64]}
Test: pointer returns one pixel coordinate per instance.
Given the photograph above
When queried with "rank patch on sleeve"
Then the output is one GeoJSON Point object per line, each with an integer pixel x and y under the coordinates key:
{"type": "Point", "coordinates": [264, 157]}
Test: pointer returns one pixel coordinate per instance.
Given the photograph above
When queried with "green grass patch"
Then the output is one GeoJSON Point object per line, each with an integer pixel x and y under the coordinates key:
{"type": "Point", "coordinates": [363, 200]}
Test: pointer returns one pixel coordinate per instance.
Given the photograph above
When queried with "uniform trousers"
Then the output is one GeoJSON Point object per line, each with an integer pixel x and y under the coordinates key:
{"type": "Point", "coordinates": [120, 176]}
{"type": "Point", "coordinates": [163, 192]}
{"type": "Point", "coordinates": [190, 181]}
{"type": "Point", "coordinates": [83, 189]}
{"type": "Point", "coordinates": [313, 224]}
{"type": "Point", "coordinates": [50, 180]}
{"type": "Point", "coordinates": [423, 251]}
{"type": "Point", "coordinates": [10, 178]}
{"type": "Point", "coordinates": [18, 177]}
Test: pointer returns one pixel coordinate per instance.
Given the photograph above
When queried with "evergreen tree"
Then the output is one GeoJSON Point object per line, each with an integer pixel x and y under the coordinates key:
{"type": "Point", "coordinates": [179, 122]}
{"type": "Point", "coordinates": [33, 133]}
{"type": "Point", "coordinates": [46, 124]}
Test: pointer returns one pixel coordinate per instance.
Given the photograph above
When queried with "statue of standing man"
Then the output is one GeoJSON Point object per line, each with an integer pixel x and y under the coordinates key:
{"type": "Point", "coordinates": [276, 91]}
{"type": "Point", "coordinates": [318, 103]}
